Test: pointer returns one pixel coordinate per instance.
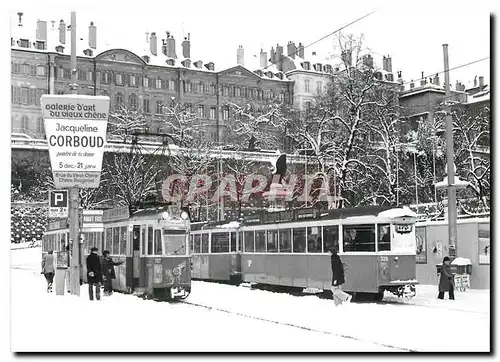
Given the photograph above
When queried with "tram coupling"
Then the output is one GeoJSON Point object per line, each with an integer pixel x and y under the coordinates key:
{"type": "Point", "coordinates": [405, 291]}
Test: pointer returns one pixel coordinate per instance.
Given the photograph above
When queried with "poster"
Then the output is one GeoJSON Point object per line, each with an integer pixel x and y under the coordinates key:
{"type": "Point", "coordinates": [421, 252]}
{"type": "Point", "coordinates": [484, 243]}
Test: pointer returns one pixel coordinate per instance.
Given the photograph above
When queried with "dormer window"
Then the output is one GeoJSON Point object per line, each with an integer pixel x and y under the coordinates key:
{"type": "Point", "coordinates": [40, 45]}
{"type": "Point", "coordinates": [186, 63]}
{"type": "Point", "coordinates": [88, 52]}
{"type": "Point", "coordinates": [24, 43]}
{"type": "Point", "coordinates": [319, 67]}
{"type": "Point", "coordinates": [269, 74]}
{"type": "Point", "coordinates": [279, 75]}
{"type": "Point", "coordinates": [60, 49]}
{"type": "Point", "coordinates": [145, 58]}
{"type": "Point", "coordinates": [259, 72]}
{"type": "Point", "coordinates": [378, 75]}
{"type": "Point", "coordinates": [327, 68]}
{"type": "Point", "coordinates": [210, 66]}
{"type": "Point", "coordinates": [171, 62]}
{"type": "Point", "coordinates": [12, 42]}
{"type": "Point", "coordinates": [306, 65]}
{"type": "Point", "coordinates": [198, 64]}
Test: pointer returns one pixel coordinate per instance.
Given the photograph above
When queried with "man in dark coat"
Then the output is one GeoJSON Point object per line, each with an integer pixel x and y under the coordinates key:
{"type": "Point", "coordinates": [338, 279]}
{"type": "Point", "coordinates": [94, 274]}
{"type": "Point", "coordinates": [108, 272]}
{"type": "Point", "coordinates": [49, 269]}
{"type": "Point", "coordinates": [446, 280]}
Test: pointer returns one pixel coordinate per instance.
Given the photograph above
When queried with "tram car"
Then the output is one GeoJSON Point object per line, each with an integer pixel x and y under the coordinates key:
{"type": "Point", "coordinates": [291, 249]}
{"type": "Point", "coordinates": [153, 245]}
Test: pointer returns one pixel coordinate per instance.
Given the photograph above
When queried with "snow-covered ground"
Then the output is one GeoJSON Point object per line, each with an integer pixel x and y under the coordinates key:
{"type": "Point", "coordinates": [229, 318]}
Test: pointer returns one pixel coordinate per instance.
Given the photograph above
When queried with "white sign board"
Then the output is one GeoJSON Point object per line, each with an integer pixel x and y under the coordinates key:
{"type": "Point", "coordinates": [75, 126]}
{"type": "Point", "coordinates": [58, 203]}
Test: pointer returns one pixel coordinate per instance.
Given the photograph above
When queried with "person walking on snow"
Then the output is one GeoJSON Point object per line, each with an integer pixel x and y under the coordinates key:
{"type": "Point", "coordinates": [94, 274]}
{"type": "Point", "coordinates": [48, 269]}
{"type": "Point", "coordinates": [446, 280]}
{"type": "Point", "coordinates": [108, 272]}
{"type": "Point", "coordinates": [338, 279]}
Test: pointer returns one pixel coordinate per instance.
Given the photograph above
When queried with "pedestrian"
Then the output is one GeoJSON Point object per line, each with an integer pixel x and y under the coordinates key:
{"type": "Point", "coordinates": [108, 272]}
{"type": "Point", "coordinates": [94, 274]}
{"type": "Point", "coordinates": [48, 269]}
{"type": "Point", "coordinates": [338, 279]}
{"type": "Point", "coordinates": [446, 280]}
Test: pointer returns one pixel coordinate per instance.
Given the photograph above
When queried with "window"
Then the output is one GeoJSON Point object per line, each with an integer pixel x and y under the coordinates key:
{"type": "Point", "coordinates": [272, 241]}
{"type": "Point", "coordinates": [299, 240]}
{"type": "Point", "coordinates": [108, 241]}
{"type": "Point", "coordinates": [314, 239]}
{"type": "Point", "coordinates": [249, 242]}
{"type": "Point", "coordinates": [212, 89]}
{"type": "Point", "coordinates": [359, 238]}
{"type": "Point", "coordinates": [145, 104]}
{"type": "Point", "coordinates": [187, 87]}
{"type": "Point", "coordinates": [40, 129]}
{"type": "Point", "coordinates": [158, 83]}
{"type": "Point", "coordinates": [307, 85]}
{"type": "Point", "coordinates": [116, 241]}
{"type": "Point", "coordinates": [123, 240]}
{"type": "Point", "coordinates": [145, 82]}
{"type": "Point", "coordinates": [118, 99]}
{"type": "Point", "coordinates": [319, 87]}
{"type": "Point", "coordinates": [204, 243]}
{"type": "Point", "coordinates": [16, 94]}
{"type": "Point", "coordinates": [197, 243]}
{"type": "Point", "coordinates": [237, 92]}
{"type": "Point", "coordinates": [31, 96]}
{"type": "Point", "coordinates": [174, 242]}
{"type": "Point", "coordinates": [171, 85]}
{"type": "Point", "coordinates": [201, 111]}
{"type": "Point", "coordinates": [233, 242]}
{"type": "Point", "coordinates": [220, 242]}
{"type": "Point", "coordinates": [159, 107]}
{"type": "Point", "coordinates": [484, 243]}
{"type": "Point", "coordinates": [225, 113]}
{"type": "Point", "coordinates": [40, 69]}
{"type": "Point", "coordinates": [188, 108]}
{"type": "Point", "coordinates": [157, 242]}
{"type": "Point", "coordinates": [197, 87]}
{"type": "Point", "coordinates": [119, 79]}
{"type": "Point", "coordinates": [225, 90]}
{"type": "Point", "coordinates": [285, 241]}
{"type": "Point", "coordinates": [60, 73]}
{"type": "Point", "coordinates": [104, 77]}
{"type": "Point", "coordinates": [131, 82]}
{"type": "Point", "coordinates": [330, 238]}
{"type": "Point", "coordinates": [212, 112]}
{"type": "Point", "coordinates": [384, 237]}
{"type": "Point", "coordinates": [306, 65]}
{"type": "Point", "coordinates": [150, 240]}
{"type": "Point", "coordinates": [231, 91]}
{"type": "Point", "coordinates": [90, 76]}
{"type": "Point", "coordinates": [24, 95]}
{"type": "Point", "coordinates": [256, 93]}
{"type": "Point", "coordinates": [16, 68]}
{"type": "Point", "coordinates": [132, 101]}
{"type": "Point", "coordinates": [260, 241]}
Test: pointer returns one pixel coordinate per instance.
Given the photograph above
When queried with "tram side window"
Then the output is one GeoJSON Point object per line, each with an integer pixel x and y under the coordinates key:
{"type": "Point", "coordinates": [313, 239]}
{"type": "Point", "coordinates": [384, 237]}
{"type": "Point", "coordinates": [299, 240]}
{"type": "Point", "coordinates": [150, 240]}
{"type": "Point", "coordinates": [123, 240]}
{"type": "Point", "coordinates": [157, 242]}
{"type": "Point", "coordinates": [240, 241]}
{"type": "Point", "coordinates": [285, 241]}
{"type": "Point", "coordinates": [233, 241]}
{"type": "Point", "coordinates": [249, 242]}
{"type": "Point", "coordinates": [260, 241]}
{"type": "Point", "coordinates": [191, 243]}
{"type": "Point", "coordinates": [108, 240]}
{"type": "Point", "coordinates": [272, 241]}
{"type": "Point", "coordinates": [62, 246]}
{"type": "Point", "coordinates": [359, 238]}
{"type": "Point", "coordinates": [116, 241]}
{"type": "Point", "coordinates": [330, 238]}
{"type": "Point", "coordinates": [204, 243]}
{"type": "Point", "coordinates": [143, 238]}
{"type": "Point", "coordinates": [220, 242]}
{"type": "Point", "coordinates": [197, 243]}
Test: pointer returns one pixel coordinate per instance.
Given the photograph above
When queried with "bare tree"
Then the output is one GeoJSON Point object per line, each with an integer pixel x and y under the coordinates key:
{"type": "Point", "coordinates": [124, 121]}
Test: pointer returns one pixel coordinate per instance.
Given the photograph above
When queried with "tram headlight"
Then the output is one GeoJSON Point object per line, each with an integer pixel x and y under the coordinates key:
{"type": "Point", "coordinates": [176, 271]}
{"type": "Point", "coordinates": [184, 215]}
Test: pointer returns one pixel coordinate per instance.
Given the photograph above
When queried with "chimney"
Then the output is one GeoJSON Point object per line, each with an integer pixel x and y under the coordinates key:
{"type": "Point", "coordinates": [475, 81]}
{"type": "Point", "coordinates": [457, 85]}
{"type": "Point", "coordinates": [389, 64]}
{"type": "Point", "coordinates": [263, 59]}
{"type": "Point", "coordinates": [384, 63]}
{"type": "Point", "coordinates": [400, 75]}
{"type": "Point", "coordinates": [301, 50]}
{"type": "Point", "coordinates": [412, 84]}
{"type": "Point", "coordinates": [436, 79]}
{"type": "Point", "coordinates": [92, 36]}
{"type": "Point", "coordinates": [186, 47]}
{"type": "Point", "coordinates": [171, 46]}
{"type": "Point", "coordinates": [291, 49]}
{"type": "Point", "coordinates": [20, 19]}
{"type": "Point", "coordinates": [153, 46]}
{"type": "Point", "coordinates": [53, 22]}
{"type": "Point", "coordinates": [41, 30]}
{"type": "Point", "coordinates": [240, 56]}
{"type": "Point", "coordinates": [279, 57]}
{"type": "Point", "coordinates": [368, 61]}
{"type": "Point", "coordinates": [481, 81]}
{"type": "Point", "coordinates": [62, 32]}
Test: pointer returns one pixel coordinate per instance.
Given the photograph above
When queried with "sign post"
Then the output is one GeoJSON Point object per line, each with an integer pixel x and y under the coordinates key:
{"type": "Point", "coordinates": [75, 126]}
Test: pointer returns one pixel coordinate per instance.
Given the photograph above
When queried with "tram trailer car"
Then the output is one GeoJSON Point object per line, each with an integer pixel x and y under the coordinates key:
{"type": "Point", "coordinates": [376, 244]}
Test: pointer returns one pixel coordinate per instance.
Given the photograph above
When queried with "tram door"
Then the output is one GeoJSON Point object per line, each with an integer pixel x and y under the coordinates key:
{"type": "Point", "coordinates": [136, 232]}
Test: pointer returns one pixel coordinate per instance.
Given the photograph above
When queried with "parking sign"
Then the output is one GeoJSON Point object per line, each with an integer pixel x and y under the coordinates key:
{"type": "Point", "coordinates": [58, 203]}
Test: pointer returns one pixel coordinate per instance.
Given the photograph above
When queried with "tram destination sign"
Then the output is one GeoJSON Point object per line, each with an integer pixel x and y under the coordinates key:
{"type": "Point", "coordinates": [75, 126]}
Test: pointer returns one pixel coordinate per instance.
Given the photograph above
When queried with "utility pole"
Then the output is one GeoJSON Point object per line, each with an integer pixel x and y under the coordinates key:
{"type": "Point", "coordinates": [73, 191]}
{"type": "Point", "coordinates": [452, 198]}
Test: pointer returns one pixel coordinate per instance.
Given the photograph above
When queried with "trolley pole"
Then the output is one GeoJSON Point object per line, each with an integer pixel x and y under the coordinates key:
{"type": "Point", "coordinates": [452, 198]}
{"type": "Point", "coordinates": [73, 191]}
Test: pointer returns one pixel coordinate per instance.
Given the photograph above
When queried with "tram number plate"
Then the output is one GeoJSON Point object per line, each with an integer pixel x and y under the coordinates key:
{"type": "Point", "coordinates": [384, 259]}
{"type": "Point", "coordinates": [403, 228]}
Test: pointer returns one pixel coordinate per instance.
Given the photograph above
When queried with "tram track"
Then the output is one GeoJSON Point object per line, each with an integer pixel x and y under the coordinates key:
{"type": "Point", "coordinates": [292, 325]}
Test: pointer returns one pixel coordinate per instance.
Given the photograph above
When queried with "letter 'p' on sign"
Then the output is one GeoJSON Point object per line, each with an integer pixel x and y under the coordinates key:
{"type": "Point", "coordinates": [58, 203]}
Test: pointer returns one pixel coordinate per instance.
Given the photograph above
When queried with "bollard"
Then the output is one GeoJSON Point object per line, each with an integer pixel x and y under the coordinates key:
{"type": "Point", "coordinates": [59, 279]}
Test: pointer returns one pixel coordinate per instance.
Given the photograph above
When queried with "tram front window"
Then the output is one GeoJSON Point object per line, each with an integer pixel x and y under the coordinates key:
{"type": "Point", "coordinates": [174, 242]}
{"type": "Point", "coordinates": [384, 237]}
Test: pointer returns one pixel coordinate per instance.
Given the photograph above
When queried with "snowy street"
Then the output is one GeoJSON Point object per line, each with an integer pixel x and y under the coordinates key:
{"type": "Point", "coordinates": [229, 318]}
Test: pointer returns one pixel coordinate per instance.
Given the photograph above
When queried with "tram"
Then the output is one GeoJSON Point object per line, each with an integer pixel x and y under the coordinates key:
{"type": "Point", "coordinates": [292, 249]}
{"type": "Point", "coordinates": [152, 243]}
